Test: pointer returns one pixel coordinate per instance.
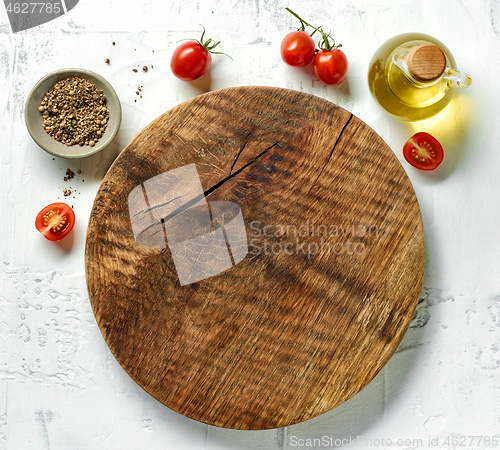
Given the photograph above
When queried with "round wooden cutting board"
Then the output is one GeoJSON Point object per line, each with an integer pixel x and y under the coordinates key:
{"type": "Point", "coordinates": [254, 257]}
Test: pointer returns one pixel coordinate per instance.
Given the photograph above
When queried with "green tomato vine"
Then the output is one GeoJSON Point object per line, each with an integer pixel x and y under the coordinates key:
{"type": "Point", "coordinates": [324, 43]}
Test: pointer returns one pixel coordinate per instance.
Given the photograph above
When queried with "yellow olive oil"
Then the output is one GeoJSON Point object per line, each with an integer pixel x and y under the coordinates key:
{"type": "Point", "coordinates": [397, 94]}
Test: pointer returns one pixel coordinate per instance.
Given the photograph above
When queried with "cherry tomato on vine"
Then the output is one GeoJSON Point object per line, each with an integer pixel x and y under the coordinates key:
{"type": "Point", "coordinates": [297, 49]}
{"type": "Point", "coordinates": [55, 221]}
{"type": "Point", "coordinates": [423, 151]}
{"type": "Point", "coordinates": [329, 63]}
{"type": "Point", "coordinates": [330, 66]}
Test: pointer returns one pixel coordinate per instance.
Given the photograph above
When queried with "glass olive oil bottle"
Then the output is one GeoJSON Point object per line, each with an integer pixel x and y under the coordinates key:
{"type": "Point", "coordinates": [413, 75]}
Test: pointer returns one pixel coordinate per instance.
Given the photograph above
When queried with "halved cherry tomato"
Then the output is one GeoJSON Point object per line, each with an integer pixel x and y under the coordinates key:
{"type": "Point", "coordinates": [423, 151]}
{"type": "Point", "coordinates": [55, 221]}
{"type": "Point", "coordinates": [297, 49]}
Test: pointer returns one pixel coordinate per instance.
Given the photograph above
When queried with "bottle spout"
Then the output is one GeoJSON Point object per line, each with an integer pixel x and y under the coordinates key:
{"type": "Point", "coordinates": [457, 79]}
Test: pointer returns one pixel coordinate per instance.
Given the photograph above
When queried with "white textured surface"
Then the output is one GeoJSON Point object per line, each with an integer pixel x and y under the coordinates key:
{"type": "Point", "coordinates": [60, 388]}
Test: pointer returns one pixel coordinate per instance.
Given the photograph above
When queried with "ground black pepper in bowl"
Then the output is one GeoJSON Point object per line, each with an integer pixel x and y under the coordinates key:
{"type": "Point", "coordinates": [75, 112]}
{"type": "Point", "coordinates": [84, 124]}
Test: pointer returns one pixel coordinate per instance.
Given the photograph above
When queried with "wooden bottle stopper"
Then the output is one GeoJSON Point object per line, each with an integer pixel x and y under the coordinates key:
{"type": "Point", "coordinates": [426, 62]}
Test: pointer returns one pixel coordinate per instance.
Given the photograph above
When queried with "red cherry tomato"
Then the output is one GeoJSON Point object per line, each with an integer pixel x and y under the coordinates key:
{"type": "Point", "coordinates": [423, 151]}
{"type": "Point", "coordinates": [55, 221]}
{"type": "Point", "coordinates": [190, 61]}
{"type": "Point", "coordinates": [297, 49]}
{"type": "Point", "coordinates": [330, 66]}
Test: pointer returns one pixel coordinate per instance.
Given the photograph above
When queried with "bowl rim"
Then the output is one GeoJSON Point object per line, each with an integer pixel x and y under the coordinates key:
{"type": "Point", "coordinates": [81, 72]}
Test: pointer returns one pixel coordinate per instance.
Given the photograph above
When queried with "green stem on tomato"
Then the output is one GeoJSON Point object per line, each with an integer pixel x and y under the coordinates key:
{"type": "Point", "coordinates": [324, 44]}
{"type": "Point", "coordinates": [208, 46]}
{"type": "Point", "coordinates": [302, 22]}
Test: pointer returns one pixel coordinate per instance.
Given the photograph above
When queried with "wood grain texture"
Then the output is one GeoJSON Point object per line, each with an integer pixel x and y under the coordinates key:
{"type": "Point", "coordinates": [280, 337]}
{"type": "Point", "coordinates": [426, 62]}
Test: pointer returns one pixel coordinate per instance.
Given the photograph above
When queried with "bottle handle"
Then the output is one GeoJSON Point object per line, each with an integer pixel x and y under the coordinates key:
{"type": "Point", "coordinates": [457, 79]}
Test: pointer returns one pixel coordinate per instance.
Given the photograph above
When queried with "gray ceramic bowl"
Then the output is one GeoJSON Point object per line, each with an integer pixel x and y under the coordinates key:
{"type": "Point", "coordinates": [34, 119]}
